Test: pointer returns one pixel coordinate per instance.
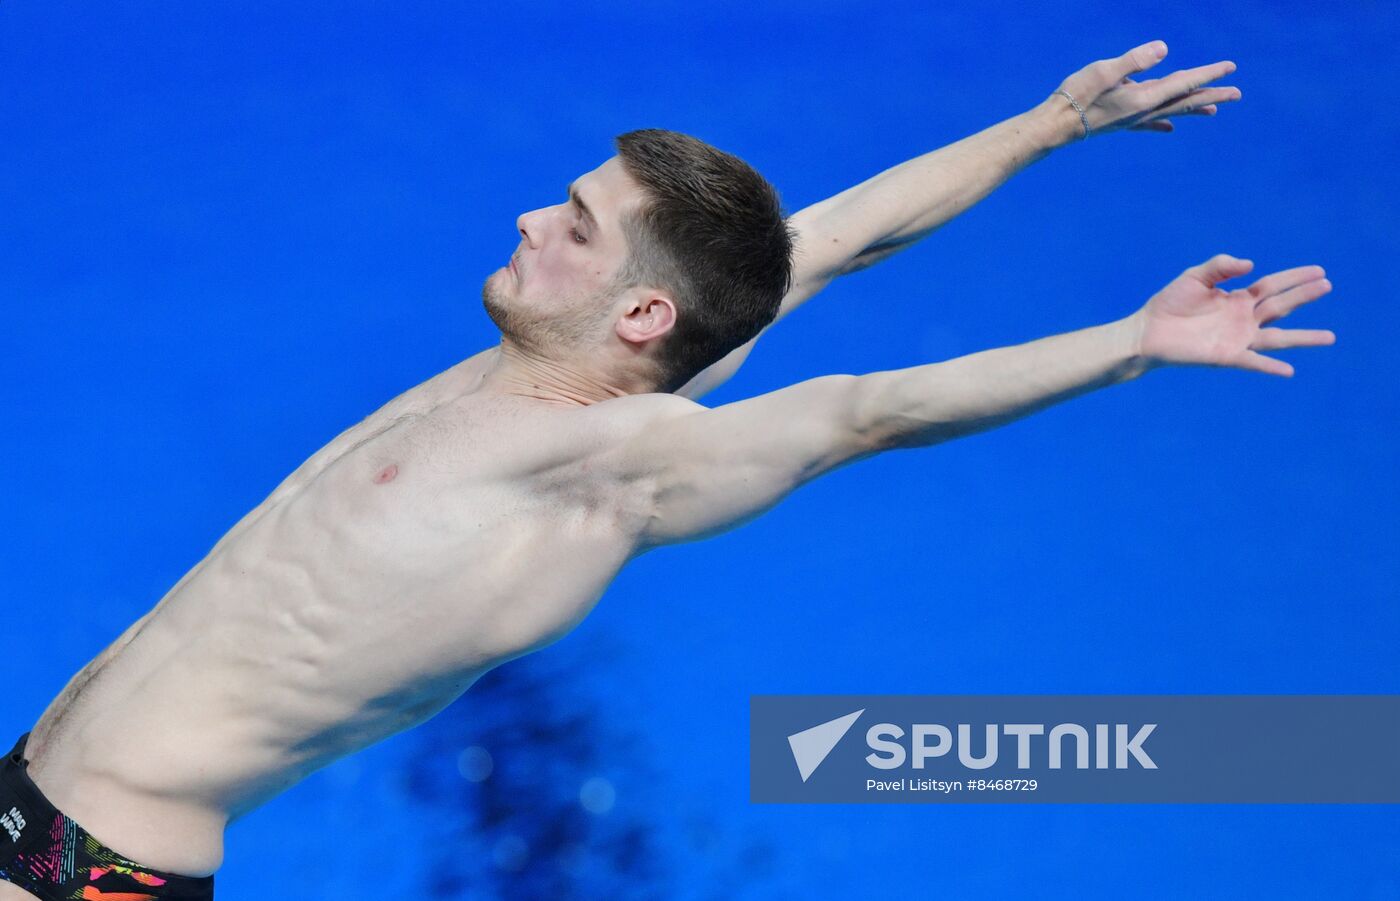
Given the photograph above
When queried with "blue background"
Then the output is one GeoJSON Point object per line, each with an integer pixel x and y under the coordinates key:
{"type": "Point", "coordinates": [230, 230]}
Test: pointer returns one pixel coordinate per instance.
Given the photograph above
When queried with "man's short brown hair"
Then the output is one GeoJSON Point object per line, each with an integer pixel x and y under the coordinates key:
{"type": "Point", "coordinates": [711, 232]}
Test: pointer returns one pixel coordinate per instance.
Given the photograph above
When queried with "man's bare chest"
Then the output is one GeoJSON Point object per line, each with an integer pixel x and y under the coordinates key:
{"type": "Point", "coordinates": [461, 535]}
{"type": "Point", "coordinates": [474, 488]}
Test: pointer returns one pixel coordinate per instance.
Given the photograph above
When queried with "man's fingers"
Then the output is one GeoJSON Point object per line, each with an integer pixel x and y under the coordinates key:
{"type": "Point", "coordinates": [1280, 339]}
{"type": "Point", "coordinates": [1281, 304]}
{"type": "Point", "coordinates": [1219, 268]}
{"type": "Point", "coordinates": [1278, 282]}
{"type": "Point", "coordinates": [1260, 363]}
{"type": "Point", "coordinates": [1202, 102]}
{"type": "Point", "coordinates": [1186, 81]}
{"type": "Point", "coordinates": [1135, 60]}
{"type": "Point", "coordinates": [1207, 110]}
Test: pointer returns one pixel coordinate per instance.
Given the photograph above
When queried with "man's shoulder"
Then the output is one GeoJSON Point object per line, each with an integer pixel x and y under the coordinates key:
{"type": "Point", "coordinates": [549, 439]}
{"type": "Point", "coordinates": [619, 419]}
{"type": "Point", "coordinates": [646, 407]}
{"type": "Point", "coordinates": [600, 429]}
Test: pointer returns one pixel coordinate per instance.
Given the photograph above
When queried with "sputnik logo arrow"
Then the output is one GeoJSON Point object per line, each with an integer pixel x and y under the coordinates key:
{"type": "Point", "coordinates": [810, 746]}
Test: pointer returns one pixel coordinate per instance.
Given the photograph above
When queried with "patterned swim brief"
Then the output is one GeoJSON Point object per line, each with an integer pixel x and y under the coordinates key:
{"type": "Point", "coordinates": [50, 856]}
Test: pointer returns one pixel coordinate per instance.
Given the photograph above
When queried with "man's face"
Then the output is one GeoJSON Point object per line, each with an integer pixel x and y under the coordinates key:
{"type": "Point", "coordinates": [559, 284]}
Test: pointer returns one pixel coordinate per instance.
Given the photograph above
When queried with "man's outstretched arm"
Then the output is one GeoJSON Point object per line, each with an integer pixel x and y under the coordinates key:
{"type": "Point", "coordinates": [887, 213]}
{"type": "Point", "coordinates": [709, 470]}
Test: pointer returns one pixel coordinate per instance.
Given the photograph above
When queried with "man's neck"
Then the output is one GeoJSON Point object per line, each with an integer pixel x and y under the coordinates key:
{"type": "Point", "coordinates": [521, 373]}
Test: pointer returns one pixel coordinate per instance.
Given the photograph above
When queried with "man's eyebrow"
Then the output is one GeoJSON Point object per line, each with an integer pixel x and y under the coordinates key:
{"type": "Point", "coordinates": [577, 201]}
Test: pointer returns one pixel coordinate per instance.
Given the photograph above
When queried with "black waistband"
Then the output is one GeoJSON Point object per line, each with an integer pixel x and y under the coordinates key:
{"type": "Point", "coordinates": [24, 811]}
{"type": "Point", "coordinates": [17, 755]}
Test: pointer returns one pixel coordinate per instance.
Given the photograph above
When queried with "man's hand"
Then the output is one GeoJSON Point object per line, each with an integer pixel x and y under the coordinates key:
{"type": "Point", "coordinates": [1191, 321]}
{"type": "Point", "coordinates": [881, 216]}
{"type": "Point", "coordinates": [1112, 100]}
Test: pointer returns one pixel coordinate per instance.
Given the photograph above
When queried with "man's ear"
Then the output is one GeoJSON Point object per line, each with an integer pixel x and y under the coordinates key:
{"type": "Point", "coordinates": [648, 315]}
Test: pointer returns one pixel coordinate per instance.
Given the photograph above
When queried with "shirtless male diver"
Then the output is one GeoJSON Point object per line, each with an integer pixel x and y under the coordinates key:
{"type": "Point", "coordinates": [481, 515]}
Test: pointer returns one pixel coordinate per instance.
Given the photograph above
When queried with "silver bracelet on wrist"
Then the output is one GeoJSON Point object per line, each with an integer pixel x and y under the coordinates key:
{"type": "Point", "coordinates": [1083, 119]}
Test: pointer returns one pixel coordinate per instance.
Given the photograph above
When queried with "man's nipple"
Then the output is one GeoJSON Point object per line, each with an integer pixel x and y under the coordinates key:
{"type": "Point", "coordinates": [387, 474]}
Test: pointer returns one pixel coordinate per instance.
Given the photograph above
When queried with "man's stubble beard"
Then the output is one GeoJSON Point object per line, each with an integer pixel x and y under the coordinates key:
{"type": "Point", "coordinates": [548, 335]}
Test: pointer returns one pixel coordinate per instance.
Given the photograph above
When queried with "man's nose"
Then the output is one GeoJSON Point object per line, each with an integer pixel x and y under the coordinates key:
{"type": "Point", "coordinates": [529, 226]}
